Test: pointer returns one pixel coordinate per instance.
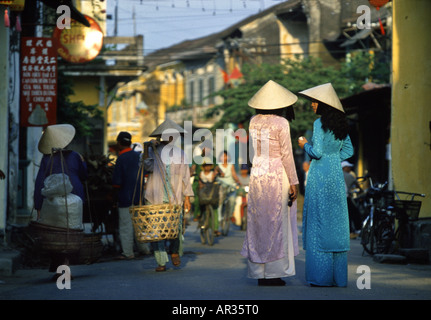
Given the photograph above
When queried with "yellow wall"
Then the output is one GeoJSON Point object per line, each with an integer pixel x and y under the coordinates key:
{"type": "Point", "coordinates": [86, 89]}
{"type": "Point", "coordinates": [122, 114]}
{"type": "Point", "coordinates": [171, 90]}
{"type": "Point", "coordinates": [411, 99]}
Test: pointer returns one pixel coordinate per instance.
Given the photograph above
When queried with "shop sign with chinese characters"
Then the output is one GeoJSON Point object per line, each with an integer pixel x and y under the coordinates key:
{"type": "Point", "coordinates": [38, 82]}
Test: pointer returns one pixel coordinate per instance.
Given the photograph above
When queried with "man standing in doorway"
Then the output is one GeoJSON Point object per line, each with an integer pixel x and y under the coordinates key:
{"type": "Point", "coordinates": [124, 180]}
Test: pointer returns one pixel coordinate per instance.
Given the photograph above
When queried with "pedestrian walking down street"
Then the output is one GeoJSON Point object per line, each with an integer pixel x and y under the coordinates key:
{"type": "Point", "coordinates": [228, 179]}
{"type": "Point", "coordinates": [351, 184]}
{"type": "Point", "coordinates": [269, 245]}
{"type": "Point", "coordinates": [326, 236]}
{"type": "Point", "coordinates": [124, 180]}
{"type": "Point", "coordinates": [54, 140]}
{"type": "Point", "coordinates": [176, 173]}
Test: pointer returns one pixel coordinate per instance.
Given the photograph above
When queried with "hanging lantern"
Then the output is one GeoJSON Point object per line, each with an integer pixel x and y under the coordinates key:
{"type": "Point", "coordinates": [6, 13]}
{"type": "Point", "coordinates": [6, 18]}
{"type": "Point", "coordinates": [13, 5]}
{"type": "Point", "coordinates": [377, 4]}
{"type": "Point", "coordinates": [18, 24]}
{"type": "Point", "coordinates": [17, 6]}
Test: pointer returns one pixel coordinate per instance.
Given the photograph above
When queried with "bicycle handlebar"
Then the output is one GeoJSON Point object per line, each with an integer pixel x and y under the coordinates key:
{"type": "Point", "coordinates": [412, 193]}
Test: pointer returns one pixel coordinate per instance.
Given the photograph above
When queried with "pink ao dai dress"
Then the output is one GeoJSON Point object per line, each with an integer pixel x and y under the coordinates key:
{"type": "Point", "coordinates": [270, 243]}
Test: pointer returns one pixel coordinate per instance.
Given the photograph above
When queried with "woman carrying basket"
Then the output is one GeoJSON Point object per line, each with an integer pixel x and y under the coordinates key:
{"type": "Point", "coordinates": [56, 159]}
{"type": "Point", "coordinates": [168, 182]}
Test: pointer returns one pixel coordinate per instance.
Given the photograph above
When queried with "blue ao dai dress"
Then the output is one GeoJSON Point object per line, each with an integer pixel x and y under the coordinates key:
{"type": "Point", "coordinates": [326, 235]}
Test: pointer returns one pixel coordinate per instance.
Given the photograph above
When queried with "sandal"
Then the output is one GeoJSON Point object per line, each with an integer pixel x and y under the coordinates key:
{"type": "Point", "coordinates": [161, 269]}
{"type": "Point", "coordinates": [271, 282]}
{"type": "Point", "coordinates": [175, 259]}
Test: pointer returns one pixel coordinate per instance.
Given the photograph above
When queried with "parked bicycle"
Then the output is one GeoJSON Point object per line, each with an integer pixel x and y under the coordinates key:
{"type": "Point", "coordinates": [406, 211]}
{"type": "Point", "coordinates": [358, 195]}
{"type": "Point", "coordinates": [379, 232]}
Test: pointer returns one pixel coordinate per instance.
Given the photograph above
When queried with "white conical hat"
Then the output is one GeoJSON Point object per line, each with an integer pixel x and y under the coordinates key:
{"type": "Point", "coordinates": [324, 93]}
{"type": "Point", "coordinates": [272, 96]}
{"type": "Point", "coordinates": [56, 136]}
{"type": "Point", "coordinates": [168, 124]}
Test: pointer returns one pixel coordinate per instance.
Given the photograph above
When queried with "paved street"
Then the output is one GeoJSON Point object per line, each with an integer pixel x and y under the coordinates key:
{"type": "Point", "coordinates": [214, 273]}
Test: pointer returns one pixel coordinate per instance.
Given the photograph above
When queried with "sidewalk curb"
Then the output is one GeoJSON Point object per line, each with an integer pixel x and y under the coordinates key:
{"type": "Point", "coordinates": [9, 261]}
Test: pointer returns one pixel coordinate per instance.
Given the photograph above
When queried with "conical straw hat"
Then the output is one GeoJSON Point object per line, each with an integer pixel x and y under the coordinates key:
{"type": "Point", "coordinates": [168, 124]}
{"type": "Point", "coordinates": [56, 136]}
{"type": "Point", "coordinates": [324, 93]}
{"type": "Point", "coordinates": [272, 96]}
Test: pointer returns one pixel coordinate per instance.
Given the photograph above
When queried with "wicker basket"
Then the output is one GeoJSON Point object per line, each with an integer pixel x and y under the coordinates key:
{"type": "Point", "coordinates": [55, 239]}
{"type": "Point", "coordinates": [91, 248]}
{"type": "Point", "coordinates": [209, 194]}
{"type": "Point", "coordinates": [408, 208]}
{"type": "Point", "coordinates": [156, 222]}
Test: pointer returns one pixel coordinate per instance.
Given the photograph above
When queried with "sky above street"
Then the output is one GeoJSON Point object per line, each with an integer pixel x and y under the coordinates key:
{"type": "Point", "coordinates": [167, 22]}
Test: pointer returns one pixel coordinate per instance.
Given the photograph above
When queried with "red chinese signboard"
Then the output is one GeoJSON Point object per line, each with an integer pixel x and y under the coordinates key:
{"type": "Point", "coordinates": [38, 82]}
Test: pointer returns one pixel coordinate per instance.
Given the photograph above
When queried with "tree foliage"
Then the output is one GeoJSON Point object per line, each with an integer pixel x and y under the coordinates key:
{"type": "Point", "coordinates": [76, 113]}
{"type": "Point", "coordinates": [296, 75]}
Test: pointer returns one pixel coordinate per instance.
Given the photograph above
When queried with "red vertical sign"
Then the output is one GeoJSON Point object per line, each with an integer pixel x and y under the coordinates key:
{"type": "Point", "coordinates": [38, 82]}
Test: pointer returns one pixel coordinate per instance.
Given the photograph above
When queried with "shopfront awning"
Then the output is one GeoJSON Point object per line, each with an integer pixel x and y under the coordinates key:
{"type": "Point", "coordinates": [373, 98]}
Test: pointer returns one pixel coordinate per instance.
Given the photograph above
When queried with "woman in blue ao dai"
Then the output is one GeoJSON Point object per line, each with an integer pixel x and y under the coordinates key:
{"type": "Point", "coordinates": [326, 238]}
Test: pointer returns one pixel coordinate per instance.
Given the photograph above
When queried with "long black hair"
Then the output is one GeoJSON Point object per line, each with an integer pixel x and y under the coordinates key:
{"type": "Point", "coordinates": [286, 112]}
{"type": "Point", "coordinates": [333, 120]}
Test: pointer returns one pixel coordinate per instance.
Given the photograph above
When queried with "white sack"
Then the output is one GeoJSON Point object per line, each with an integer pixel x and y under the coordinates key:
{"type": "Point", "coordinates": [53, 211]}
{"type": "Point", "coordinates": [54, 185]}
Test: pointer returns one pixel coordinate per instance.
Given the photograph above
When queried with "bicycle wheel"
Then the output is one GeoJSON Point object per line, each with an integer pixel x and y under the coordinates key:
{"type": "Point", "coordinates": [244, 219]}
{"type": "Point", "coordinates": [368, 237]}
{"type": "Point", "coordinates": [209, 230]}
{"type": "Point", "coordinates": [202, 227]}
{"type": "Point", "coordinates": [384, 235]}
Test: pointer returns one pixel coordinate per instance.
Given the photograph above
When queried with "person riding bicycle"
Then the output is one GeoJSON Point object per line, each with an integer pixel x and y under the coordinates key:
{"type": "Point", "coordinates": [208, 175]}
{"type": "Point", "coordinates": [228, 179]}
{"type": "Point", "coordinates": [244, 177]}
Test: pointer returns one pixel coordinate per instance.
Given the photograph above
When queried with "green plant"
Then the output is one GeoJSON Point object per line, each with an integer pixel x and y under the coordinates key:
{"type": "Point", "coordinates": [76, 113]}
{"type": "Point", "coordinates": [297, 75]}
